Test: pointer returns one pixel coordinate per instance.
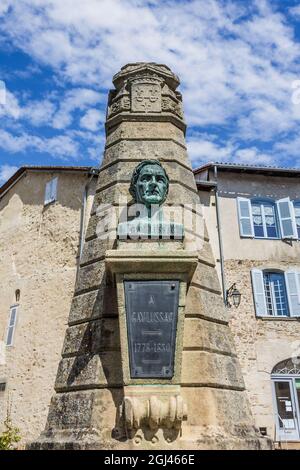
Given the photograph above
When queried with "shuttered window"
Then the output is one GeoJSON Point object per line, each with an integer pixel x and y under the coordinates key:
{"type": "Point", "coordinates": [287, 218]}
{"type": "Point", "coordinates": [293, 288]}
{"type": "Point", "coordinates": [297, 217]}
{"type": "Point", "coordinates": [11, 325]}
{"type": "Point", "coordinates": [245, 217]}
{"type": "Point", "coordinates": [259, 293]}
{"type": "Point", "coordinates": [269, 219]}
{"type": "Point", "coordinates": [51, 191]}
{"type": "Point", "coordinates": [276, 293]}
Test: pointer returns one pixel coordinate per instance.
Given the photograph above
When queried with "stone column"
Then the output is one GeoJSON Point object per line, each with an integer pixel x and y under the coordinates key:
{"type": "Point", "coordinates": [145, 121]}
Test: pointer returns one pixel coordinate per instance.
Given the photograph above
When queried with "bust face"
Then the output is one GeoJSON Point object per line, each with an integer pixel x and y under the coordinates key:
{"type": "Point", "coordinates": [152, 185]}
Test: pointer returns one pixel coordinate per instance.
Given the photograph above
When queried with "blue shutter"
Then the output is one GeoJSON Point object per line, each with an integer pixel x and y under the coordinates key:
{"type": "Point", "coordinates": [287, 219]}
{"type": "Point", "coordinates": [259, 292]}
{"type": "Point", "coordinates": [292, 279]}
{"type": "Point", "coordinates": [245, 217]}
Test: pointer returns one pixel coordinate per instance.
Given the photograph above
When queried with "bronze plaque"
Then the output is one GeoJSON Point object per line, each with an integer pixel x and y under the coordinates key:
{"type": "Point", "coordinates": [151, 315]}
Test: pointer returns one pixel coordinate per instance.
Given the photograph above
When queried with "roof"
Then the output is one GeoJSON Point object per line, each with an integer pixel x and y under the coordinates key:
{"type": "Point", "coordinates": [21, 171]}
{"type": "Point", "coordinates": [236, 167]}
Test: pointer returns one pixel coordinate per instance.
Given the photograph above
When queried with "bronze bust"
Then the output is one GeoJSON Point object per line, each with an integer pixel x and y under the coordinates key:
{"type": "Point", "coordinates": [149, 183]}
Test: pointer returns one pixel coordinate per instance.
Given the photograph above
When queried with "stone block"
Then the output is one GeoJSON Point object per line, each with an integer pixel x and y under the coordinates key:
{"type": "Point", "coordinates": [90, 276]}
{"type": "Point", "coordinates": [211, 369]}
{"type": "Point", "coordinates": [92, 337]}
{"type": "Point", "coordinates": [206, 276]}
{"type": "Point", "coordinates": [95, 249]}
{"type": "Point", "coordinates": [206, 304]}
{"type": "Point", "coordinates": [137, 150]}
{"type": "Point", "coordinates": [89, 371]}
{"type": "Point", "coordinates": [208, 336]}
{"type": "Point", "coordinates": [226, 409]}
{"type": "Point", "coordinates": [145, 131]}
{"type": "Point", "coordinates": [102, 302]}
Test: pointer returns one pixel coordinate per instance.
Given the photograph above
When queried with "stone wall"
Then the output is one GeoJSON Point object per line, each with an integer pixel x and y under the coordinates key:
{"type": "Point", "coordinates": [38, 252]}
{"type": "Point", "coordinates": [260, 343]}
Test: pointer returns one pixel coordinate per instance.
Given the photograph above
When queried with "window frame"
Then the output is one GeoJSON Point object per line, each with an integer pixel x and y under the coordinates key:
{"type": "Point", "coordinates": [13, 326]}
{"type": "Point", "coordinates": [273, 296]}
{"type": "Point", "coordinates": [261, 202]}
{"type": "Point", "coordinates": [296, 203]}
{"type": "Point", "coordinates": [51, 189]}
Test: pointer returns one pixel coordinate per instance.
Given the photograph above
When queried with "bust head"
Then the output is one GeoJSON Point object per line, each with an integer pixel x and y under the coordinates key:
{"type": "Point", "coordinates": [149, 183]}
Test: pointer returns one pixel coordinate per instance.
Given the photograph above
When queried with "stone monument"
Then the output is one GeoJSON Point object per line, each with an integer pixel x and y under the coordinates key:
{"type": "Point", "coordinates": [148, 360]}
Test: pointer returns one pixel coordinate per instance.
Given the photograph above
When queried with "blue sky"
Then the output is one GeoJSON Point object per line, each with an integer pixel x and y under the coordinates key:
{"type": "Point", "coordinates": [238, 61]}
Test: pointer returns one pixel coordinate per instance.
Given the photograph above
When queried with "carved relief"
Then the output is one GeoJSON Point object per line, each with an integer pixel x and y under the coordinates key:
{"type": "Point", "coordinates": [120, 104]}
{"type": "Point", "coordinates": [154, 412]}
{"type": "Point", "coordinates": [146, 97]}
{"type": "Point", "coordinates": [171, 106]}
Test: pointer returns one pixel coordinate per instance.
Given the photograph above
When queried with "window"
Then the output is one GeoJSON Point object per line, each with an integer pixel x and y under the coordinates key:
{"type": "Point", "coordinates": [276, 297]}
{"type": "Point", "coordinates": [2, 386]}
{"type": "Point", "coordinates": [264, 219]}
{"type": "Point", "coordinates": [11, 325]}
{"type": "Point", "coordinates": [276, 293]}
{"type": "Point", "coordinates": [297, 216]}
{"type": "Point", "coordinates": [260, 218]}
{"type": "Point", "coordinates": [51, 191]}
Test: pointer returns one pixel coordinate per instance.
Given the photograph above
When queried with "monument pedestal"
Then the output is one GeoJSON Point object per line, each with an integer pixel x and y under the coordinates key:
{"type": "Point", "coordinates": [133, 375]}
{"type": "Point", "coordinates": [151, 289]}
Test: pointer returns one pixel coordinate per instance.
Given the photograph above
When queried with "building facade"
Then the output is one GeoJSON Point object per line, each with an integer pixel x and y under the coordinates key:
{"type": "Point", "coordinates": [253, 221]}
{"type": "Point", "coordinates": [43, 214]}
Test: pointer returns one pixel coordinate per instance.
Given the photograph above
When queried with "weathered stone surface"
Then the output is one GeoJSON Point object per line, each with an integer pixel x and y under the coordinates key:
{"type": "Point", "coordinates": [206, 304]}
{"type": "Point", "coordinates": [205, 335]}
{"type": "Point", "coordinates": [137, 150]}
{"type": "Point", "coordinates": [94, 336]}
{"type": "Point", "coordinates": [145, 131]}
{"type": "Point", "coordinates": [99, 303]}
{"type": "Point", "coordinates": [90, 409]}
{"type": "Point", "coordinates": [90, 276]}
{"type": "Point", "coordinates": [206, 254]}
{"type": "Point", "coordinates": [89, 371]}
{"type": "Point", "coordinates": [206, 276]}
{"type": "Point", "coordinates": [211, 369]}
{"type": "Point", "coordinates": [95, 249]}
{"type": "Point", "coordinates": [218, 409]}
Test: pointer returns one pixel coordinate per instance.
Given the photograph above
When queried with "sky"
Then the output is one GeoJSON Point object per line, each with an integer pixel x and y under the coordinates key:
{"type": "Point", "coordinates": [238, 62]}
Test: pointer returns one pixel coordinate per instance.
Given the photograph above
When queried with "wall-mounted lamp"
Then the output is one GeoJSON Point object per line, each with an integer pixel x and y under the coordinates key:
{"type": "Point", "coordinates": [233, 296]}
{"type": "Point", "coordinates": [17, 293]}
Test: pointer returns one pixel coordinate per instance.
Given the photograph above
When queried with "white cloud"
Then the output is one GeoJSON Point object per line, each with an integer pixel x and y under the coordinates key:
{"type": "Point", "coordinates": [91, 119]}
{"type": "Point", "coordinates": [6, 171]}
{"type": "Point", "coordinates": [203, 150]}
{"type": "Point", "coordinates": [60, 146]}
{"type": "Point", "coordinates": [77, 98]}
{"type": "Point", "coordinates": [236, 61]}
{"type": "Point", "coordinates": [228, 66]}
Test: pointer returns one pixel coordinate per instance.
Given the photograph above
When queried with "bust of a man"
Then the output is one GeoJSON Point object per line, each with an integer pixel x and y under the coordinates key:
{"type": "Point", "coordinates": [149, 183]}
{"type": "Point", "coordinates": [149, 187]}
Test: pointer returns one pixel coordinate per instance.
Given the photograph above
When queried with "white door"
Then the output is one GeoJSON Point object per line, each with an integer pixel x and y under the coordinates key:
{"type": "Point", "coordinates": [287, 409]}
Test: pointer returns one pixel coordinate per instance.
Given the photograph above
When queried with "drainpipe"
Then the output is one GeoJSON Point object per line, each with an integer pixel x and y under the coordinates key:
{"type": "Point", "coordinates": [220, 235]}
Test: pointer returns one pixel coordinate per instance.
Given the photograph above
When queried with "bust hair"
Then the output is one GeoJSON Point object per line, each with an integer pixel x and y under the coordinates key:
{"type": "Point", "coordinates": [137, 171]}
